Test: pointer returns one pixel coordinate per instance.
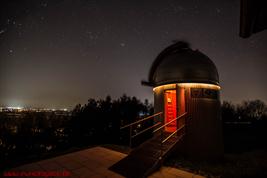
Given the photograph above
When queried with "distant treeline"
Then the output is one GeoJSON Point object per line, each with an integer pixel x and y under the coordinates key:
{"type": "Point", "coordinates": [247, 111]}
{"type": "Point", "coordinates": [99, 121]}
{"type": "Point", "coordinates": [244, 126]}
{"type": "Point", "coordinates": [34, 135]}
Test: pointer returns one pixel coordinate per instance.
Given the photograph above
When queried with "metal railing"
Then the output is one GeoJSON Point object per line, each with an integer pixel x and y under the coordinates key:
{"type": "Point", "coordinates": [160, 128]}
{"type": "Point", "coordinates": [139, 121]}
{"type": "Point", "coordinates": [177, 118]}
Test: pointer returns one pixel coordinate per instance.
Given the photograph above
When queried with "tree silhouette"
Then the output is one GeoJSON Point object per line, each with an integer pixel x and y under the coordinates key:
{"type": "Point", "coordinates": [228, 111]}
{"type": "Point", "coordinates": [244, 125]}
{"type": "Point", "coordinates": [252, 110]}
{"type": "Point", "coordinates": [99, 122]}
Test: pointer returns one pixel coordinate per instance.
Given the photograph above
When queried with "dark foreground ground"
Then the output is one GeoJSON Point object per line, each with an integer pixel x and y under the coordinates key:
{"type": "Point", "coordinates": [252, 164]}
{"type": "Point", "coordinates": [248, 164]}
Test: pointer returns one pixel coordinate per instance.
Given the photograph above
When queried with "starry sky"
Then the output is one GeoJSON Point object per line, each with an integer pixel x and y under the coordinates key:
{"type": "Point", "coordinates": [58, 53]}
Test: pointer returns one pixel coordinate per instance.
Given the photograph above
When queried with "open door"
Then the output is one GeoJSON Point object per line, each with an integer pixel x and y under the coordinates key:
{"type": "Point", "coordinates": [170, 109]}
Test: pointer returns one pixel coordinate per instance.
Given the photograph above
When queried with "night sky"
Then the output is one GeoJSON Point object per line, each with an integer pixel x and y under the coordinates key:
{"type": "Point", "coordinates": [57, 53]}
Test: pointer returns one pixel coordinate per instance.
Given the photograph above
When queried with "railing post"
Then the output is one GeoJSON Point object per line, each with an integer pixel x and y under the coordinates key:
{"type": "Point", "coordinates": [161, 146]}
{"type": "Point", "coordinates": [131, 136]}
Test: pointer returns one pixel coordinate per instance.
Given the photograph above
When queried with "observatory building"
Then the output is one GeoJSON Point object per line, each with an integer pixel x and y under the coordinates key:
{"type": "Point", "coordinates": [186, 82]}
{"type": "Point", "coordinates": [187, 118]}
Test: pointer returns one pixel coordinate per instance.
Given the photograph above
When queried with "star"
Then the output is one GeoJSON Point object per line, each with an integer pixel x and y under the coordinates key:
{"type": "Point", "coordinates": [2, 31]}
{"type": "Point", "coordinates": [218, 10]}
{"type": "Point", "coordinates": [122, 44]}
{"type": "Point", "coordinates": [44, 4]}
{"type": "Point", "coordinates": [91, 35]}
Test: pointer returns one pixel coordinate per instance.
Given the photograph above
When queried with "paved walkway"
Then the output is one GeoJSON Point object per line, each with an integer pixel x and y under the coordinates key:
{"type": "Point", "coordinates": [93, 162]}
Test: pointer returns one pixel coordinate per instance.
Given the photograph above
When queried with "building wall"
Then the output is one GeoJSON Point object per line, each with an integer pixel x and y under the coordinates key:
{"type": "Point", "coordinates": [203, 139]}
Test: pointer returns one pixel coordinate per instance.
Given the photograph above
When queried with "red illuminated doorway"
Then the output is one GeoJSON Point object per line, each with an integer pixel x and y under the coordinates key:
{"type": "Point", "coordinates": [170, 110]}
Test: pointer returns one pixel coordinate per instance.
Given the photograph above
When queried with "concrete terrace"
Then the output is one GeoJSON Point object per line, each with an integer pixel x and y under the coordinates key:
{"type": "Point", "coordinates": [93, 162]}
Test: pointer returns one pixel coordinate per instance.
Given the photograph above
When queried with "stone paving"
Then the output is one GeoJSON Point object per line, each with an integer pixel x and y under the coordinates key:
{"type": "Point", "coordinates": [93, 162]}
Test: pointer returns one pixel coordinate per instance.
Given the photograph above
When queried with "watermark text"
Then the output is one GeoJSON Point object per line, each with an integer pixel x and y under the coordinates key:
{"type": "Point", "coordinates": [44, 174]}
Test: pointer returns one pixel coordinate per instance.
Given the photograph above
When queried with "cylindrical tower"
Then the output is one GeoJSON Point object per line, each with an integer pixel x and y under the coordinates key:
{"type": "Point", "coordinates": [187, 81]}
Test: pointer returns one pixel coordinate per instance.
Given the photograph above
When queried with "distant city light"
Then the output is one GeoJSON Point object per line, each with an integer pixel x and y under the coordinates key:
{"type": "Point", "coordinates": [20, 109]}
{"type": "Point", "coordinates": [17, 107]}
